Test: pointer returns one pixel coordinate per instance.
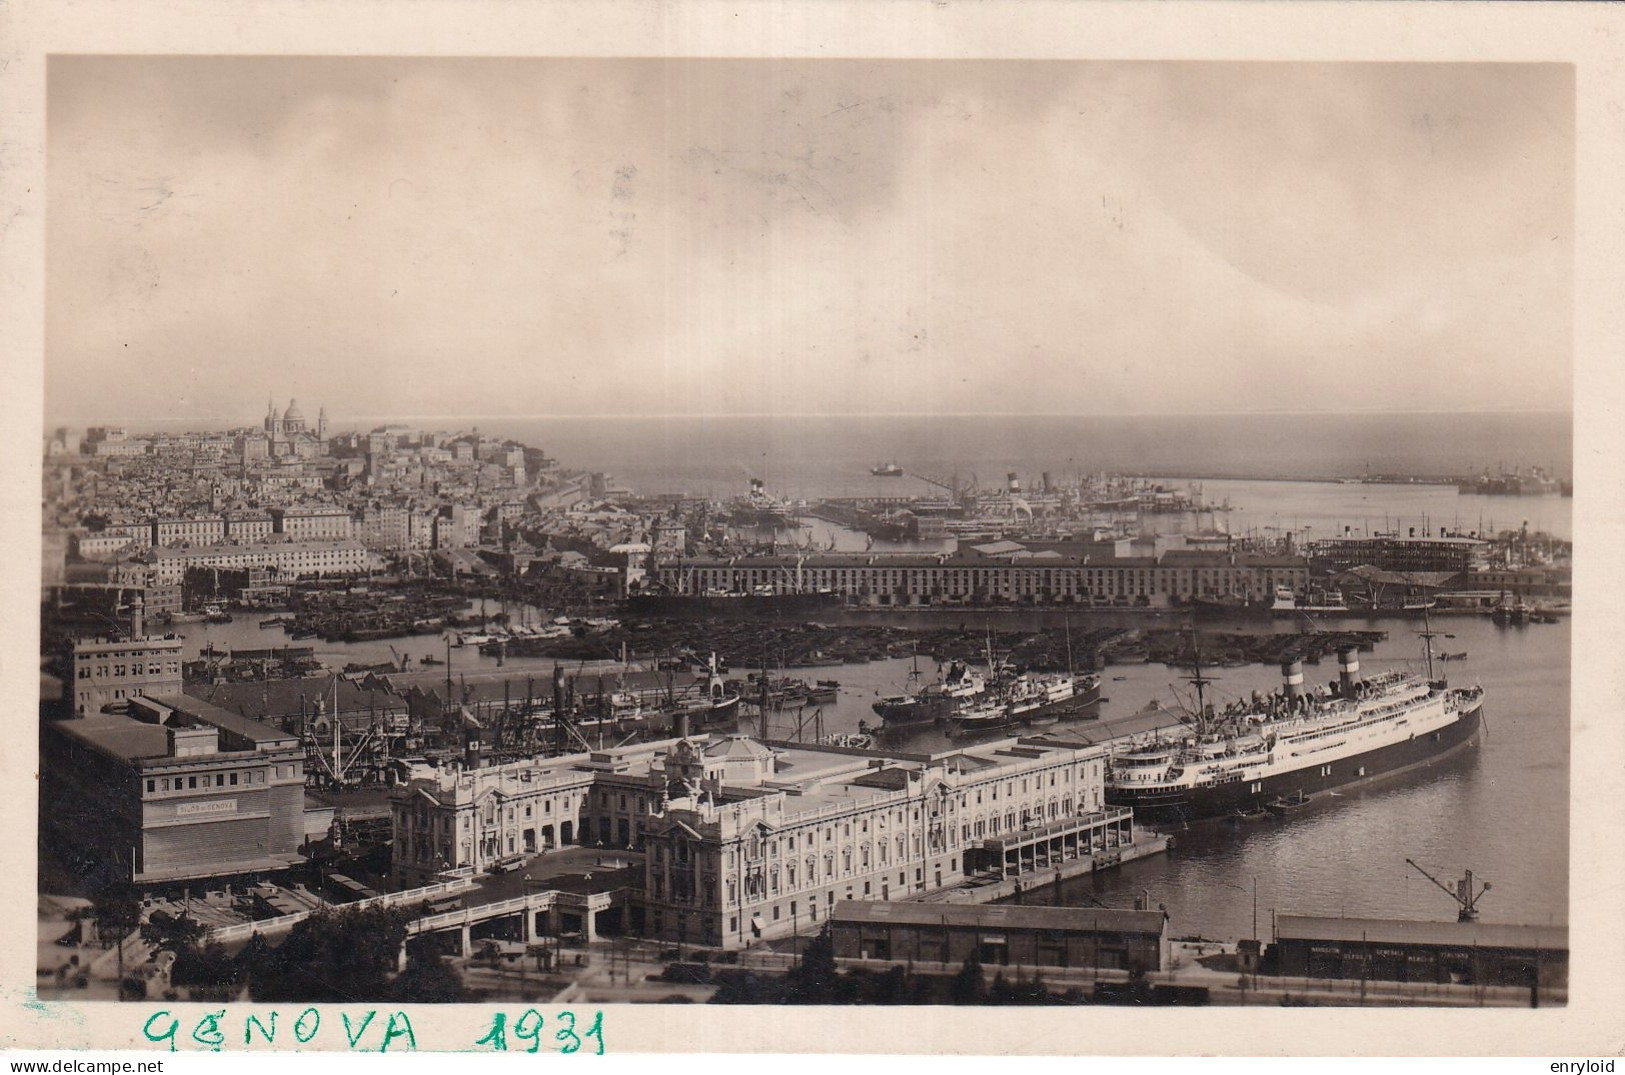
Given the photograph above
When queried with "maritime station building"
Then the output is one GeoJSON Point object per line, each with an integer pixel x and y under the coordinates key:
{"type": "Point", "coordinates": [744, 839]}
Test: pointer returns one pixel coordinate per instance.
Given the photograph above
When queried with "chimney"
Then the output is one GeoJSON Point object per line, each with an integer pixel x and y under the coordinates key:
{"type": "Point", "coordinates": [1292, 678]}
{"type": "Point", "coordinates": [138, 608]}
{"type": "Point", "coordinates": [682, 724]}
{"type": "Point", "coordinates": [1348, 669]}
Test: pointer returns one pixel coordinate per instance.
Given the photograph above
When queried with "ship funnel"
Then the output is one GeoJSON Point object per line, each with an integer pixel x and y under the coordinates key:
{"type": "Point", "coordinates": [1013, 482]}
{"type": "Point", "coordinates": [682, 724]}
{"type": "Point", "coordinates": [1348, 668]}
{"type": "Point", "coordinates": [1292, 679]}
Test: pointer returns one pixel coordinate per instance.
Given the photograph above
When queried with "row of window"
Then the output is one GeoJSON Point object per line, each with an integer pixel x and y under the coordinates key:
{"type": "Point", "coordinates": [196, 782]}
{"type": "Point", "coordinates": [775, 912]}
{"type": "Point", "coordinates": [230, 779]}
{"type": "Point", "coordinates": [137, 668]}
{"type": "Point", "coordinates": [1007, 580]}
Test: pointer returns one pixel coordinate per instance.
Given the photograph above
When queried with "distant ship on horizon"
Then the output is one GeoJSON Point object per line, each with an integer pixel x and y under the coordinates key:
{"type": "Point", "coordinates": [886, 470]}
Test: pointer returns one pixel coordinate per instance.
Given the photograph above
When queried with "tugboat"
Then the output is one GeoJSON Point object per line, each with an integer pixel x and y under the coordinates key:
{"type": "Point", "coordinates": [1286, 804]}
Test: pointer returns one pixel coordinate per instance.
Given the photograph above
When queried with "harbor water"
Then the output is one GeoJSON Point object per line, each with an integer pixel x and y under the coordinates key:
{"type": "Point", "coordinates": [1499, 809]}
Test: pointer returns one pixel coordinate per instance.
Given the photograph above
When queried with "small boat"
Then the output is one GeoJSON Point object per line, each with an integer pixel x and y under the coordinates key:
{"type": "Point", "coordinates": [1246, 815]}
{"type": "Point", "coordinates": [1286, 804]}
{"type": "Point", "coordinates": [429, 658]}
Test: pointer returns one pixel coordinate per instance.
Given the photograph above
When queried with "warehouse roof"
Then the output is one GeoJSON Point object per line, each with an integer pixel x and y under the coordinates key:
{"type": "Point", "coordinates": [1079, 919]}
{"type": "Point", "coordinates": [1399, 931]}
{"type": "Point", "coordinates": [260, 736]}
{"type": "Point", "coordinates": [116, 735]}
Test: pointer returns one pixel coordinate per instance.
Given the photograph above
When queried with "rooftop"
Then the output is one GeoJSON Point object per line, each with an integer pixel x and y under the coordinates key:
{"type": "Point", "coordinates": [999, 916]}
{"type": "Point", "coordinates": [116, 736]}
{"type": "Point", "coordinates": [259, 736]}
{"type": "Point", "coordinates": [1399, 931]}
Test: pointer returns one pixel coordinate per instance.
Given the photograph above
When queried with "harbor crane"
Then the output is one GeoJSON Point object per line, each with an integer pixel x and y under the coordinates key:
{"type": "Point", "coordinates": [951, 486]}
{"type": "Point", "coordinates": [1466, 899]}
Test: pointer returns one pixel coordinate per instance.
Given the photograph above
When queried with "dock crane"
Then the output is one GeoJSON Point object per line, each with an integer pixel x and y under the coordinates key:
{"type": "Point", "coordinates": [1466, 899]}
{"type": "Point", "coordinates": [951, 486]}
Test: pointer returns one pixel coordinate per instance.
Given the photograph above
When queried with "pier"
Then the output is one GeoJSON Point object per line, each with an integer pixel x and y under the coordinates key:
{"type": "Point", "coordinates": [1009, 865]}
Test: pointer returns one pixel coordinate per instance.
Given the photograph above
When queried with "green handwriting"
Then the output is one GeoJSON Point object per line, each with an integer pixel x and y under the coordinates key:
{"type": "Point", "coordinates": [528, 1028]}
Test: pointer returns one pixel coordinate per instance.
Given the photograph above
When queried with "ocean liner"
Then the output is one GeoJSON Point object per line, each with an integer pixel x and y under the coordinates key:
{"type": "Point", "coordinates": [1294, 743]}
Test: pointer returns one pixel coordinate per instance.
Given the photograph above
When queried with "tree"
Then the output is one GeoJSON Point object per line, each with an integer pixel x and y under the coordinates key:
{"type": "Point", "coordinates": [815, 980]}
{"type": "Point", "coordinates": [428, 980]}
{"type": "Point", "coordinates": [332, 956]}
{"type": "Point", "coordinates": [747, 987]}
{"type": "Point", "coordinates": [178, 933]}
{"type": "Point", "coordinates": [969, 985]}
{"type": "Point", "coordinates": [116, 904]}
{"type": "Point", "coordinates": [207, 970]}
{"type": "Point", "coordinates": [892, 987]}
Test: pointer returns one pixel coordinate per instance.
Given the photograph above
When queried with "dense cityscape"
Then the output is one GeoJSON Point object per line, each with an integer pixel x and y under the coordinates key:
{"type": "Point", "coordinates": [497, 727]}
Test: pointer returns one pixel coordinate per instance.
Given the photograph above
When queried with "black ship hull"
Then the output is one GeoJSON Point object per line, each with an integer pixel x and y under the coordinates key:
{"type": "Point", "coordinates": [1192, 804]}
{"type": "Point", "coordinates": [916, 713]}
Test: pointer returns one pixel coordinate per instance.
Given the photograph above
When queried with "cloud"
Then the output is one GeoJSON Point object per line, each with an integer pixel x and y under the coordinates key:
{"type": "Point", "coordinates": [606, 236]}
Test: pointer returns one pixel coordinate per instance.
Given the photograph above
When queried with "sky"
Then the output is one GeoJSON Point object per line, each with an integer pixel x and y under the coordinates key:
{"type": "Point", "coordinates": [443, 237]}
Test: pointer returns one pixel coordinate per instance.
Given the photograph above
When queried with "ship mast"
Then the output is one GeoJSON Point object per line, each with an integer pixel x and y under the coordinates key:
{"type": "Point", "coordinates": [1427, 635]}
{"type": "Point", "coordinates": [1066, 620]}
{"type": "Point", "coordinates": [1199, 681]}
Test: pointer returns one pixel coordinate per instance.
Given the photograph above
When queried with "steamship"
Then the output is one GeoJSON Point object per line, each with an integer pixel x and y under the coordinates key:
{"type": "Point", "coordinates": [1029, 699]}
{"type": "Point", "coordinates": [1293, 744]}
{"type": "Point", "coordinates": [961, 687]}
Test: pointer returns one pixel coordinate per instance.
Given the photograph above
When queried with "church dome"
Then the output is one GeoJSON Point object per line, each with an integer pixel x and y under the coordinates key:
{"type": "Point", "coordinates": [293, 413]}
